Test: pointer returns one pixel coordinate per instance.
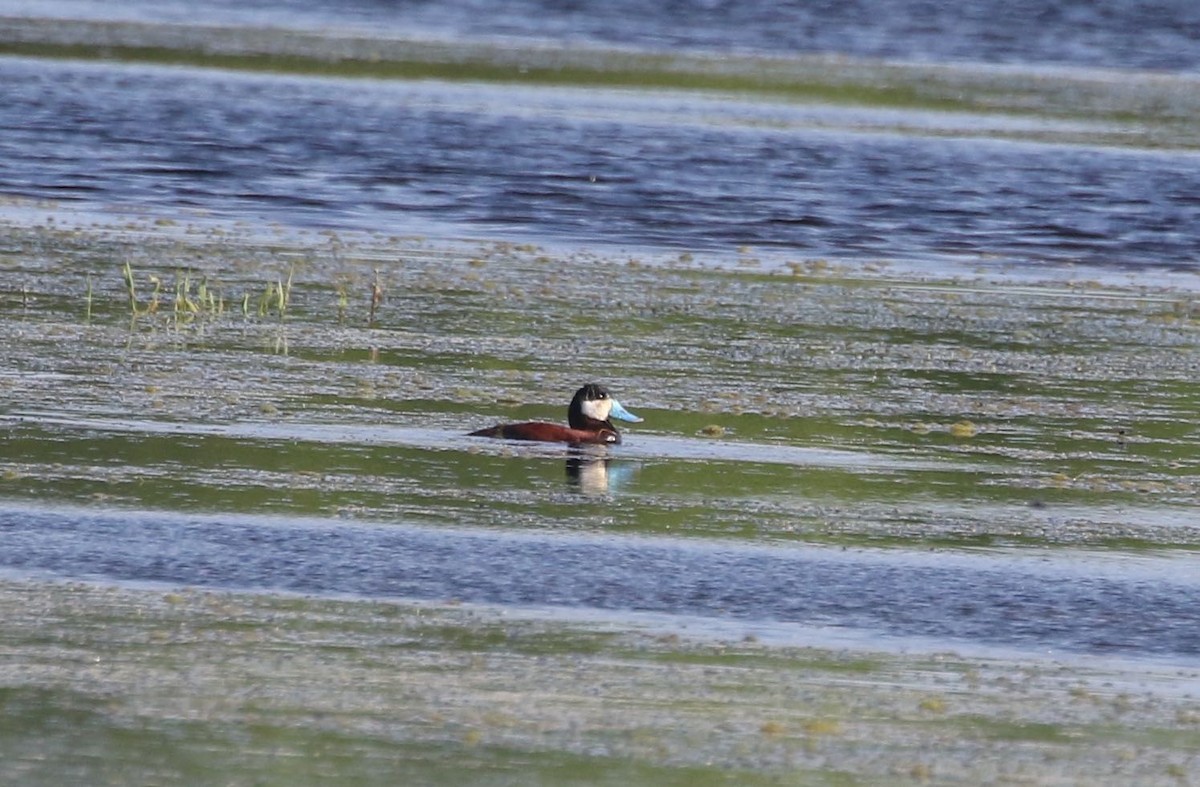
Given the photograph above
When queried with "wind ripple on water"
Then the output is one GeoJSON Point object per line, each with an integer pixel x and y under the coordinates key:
{"type": "Point", "coordinates": [996, 600]}
{"type": "Point", "coordinates": [581, 167]}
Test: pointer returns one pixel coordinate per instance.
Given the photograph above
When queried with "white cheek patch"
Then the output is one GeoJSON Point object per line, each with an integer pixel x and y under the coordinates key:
{"type": "Point", "coordinates": [597, 409]}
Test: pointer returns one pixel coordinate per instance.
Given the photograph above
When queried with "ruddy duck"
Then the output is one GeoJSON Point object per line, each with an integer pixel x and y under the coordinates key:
{"type": "Point", "coordinates": [588, 418]}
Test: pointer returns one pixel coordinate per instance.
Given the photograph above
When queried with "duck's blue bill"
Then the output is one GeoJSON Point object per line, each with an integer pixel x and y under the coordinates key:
{"type": "Point", "coordinates": [620, 412]}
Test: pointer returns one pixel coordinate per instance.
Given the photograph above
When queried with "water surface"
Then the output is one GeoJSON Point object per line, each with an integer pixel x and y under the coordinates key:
{"type": "Point", "coordinates": [639, 171]}
{"type": "Point", "coordinates": [1059, 605]}
{"type": "Point", "coordinates": [1111, 33]}
{"type": "Point", "coordinates": [915, 343]}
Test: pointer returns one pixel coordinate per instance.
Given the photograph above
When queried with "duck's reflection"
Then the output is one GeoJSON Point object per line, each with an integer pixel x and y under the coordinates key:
{"type": "Point", "coordinates": [594, 474]}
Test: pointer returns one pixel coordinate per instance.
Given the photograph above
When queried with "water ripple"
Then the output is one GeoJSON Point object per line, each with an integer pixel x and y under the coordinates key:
{"type": "Point", "coordinates": [997, 599]}
{"type": "Point", "coordinates": [578, 166]}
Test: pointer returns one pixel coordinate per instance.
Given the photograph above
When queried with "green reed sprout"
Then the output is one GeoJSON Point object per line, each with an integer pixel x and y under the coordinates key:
{"type": "Point", "coordinates": [285, 291]}
{"type": "Point", "coordinates": [264, 300]}
{"type": "Point", "coordinates": [184, 304]}
{"type": "Point", "coordinates": [376, 297]}
{"type": "Point", "coordinates": [275, 298]}
{"type": "Point", "coordinates": [343, 300]}
{"type": "Point", "coordinates": [129, 284]}
{"type": "Point", "coordinates": [191, 298]}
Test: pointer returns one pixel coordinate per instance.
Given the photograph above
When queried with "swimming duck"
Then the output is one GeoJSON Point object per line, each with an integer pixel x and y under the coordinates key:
{"type": "Point", "coordinates": [589, 418]}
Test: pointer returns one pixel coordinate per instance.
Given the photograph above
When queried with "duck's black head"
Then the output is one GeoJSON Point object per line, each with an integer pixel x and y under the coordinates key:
{"type": "Point", "coordinates": [592, 408]}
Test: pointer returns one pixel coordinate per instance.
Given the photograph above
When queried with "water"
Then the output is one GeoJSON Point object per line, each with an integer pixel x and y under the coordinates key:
{"type": "Point", "coordinates": [915, 343]}
{"type": "Point", "coordinates": [641, 169]}
{"type": "Point", "coordinates": [836, 499]}
{"type": "Point", "coordinates": [577, 167]}
{"type": "Point", "coordinates": [1110, 33]}
{"type": "Point", "coordinates": [1060, 605]}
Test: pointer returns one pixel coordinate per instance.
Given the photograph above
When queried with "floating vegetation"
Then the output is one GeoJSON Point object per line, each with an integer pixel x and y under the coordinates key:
{"type": "Point", "coordinates": [963, 429]}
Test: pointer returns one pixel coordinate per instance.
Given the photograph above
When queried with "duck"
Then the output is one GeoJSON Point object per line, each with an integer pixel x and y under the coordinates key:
{"type": "Point", "coordinates": [589, 420]}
